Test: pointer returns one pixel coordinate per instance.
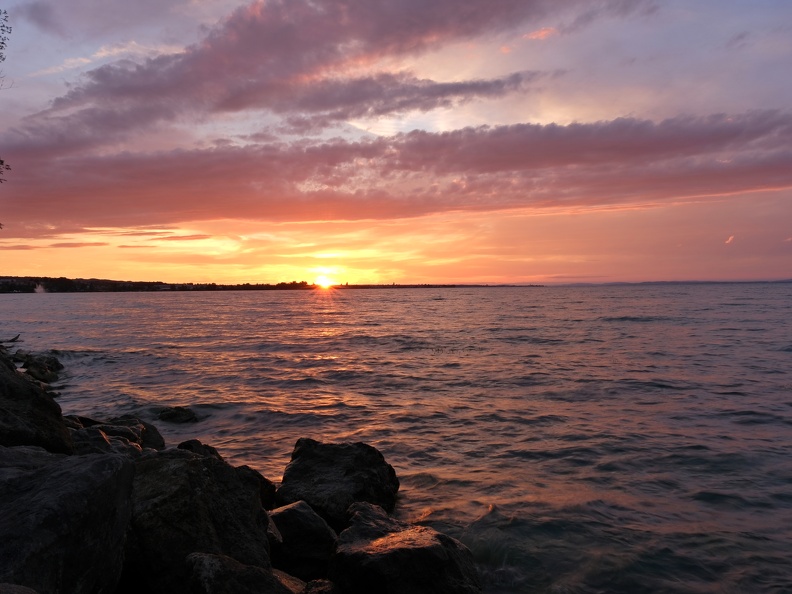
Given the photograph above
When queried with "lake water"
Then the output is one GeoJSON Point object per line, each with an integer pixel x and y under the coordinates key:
{"type": "Point", "coordinates": [577, 439]}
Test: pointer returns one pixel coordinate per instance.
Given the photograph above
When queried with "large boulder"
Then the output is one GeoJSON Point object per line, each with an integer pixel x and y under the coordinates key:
{"type": "Point", "coordinates": [185, 503]}
{"type": "Point", "coordinates": [63, 520]}
{"type": "Point", "coordinates": [218, 574]}
{"type": "Point", "coordinates": [331, 477]}
{"type": "Point", "coordinates": [380, 554]}
{"type": "Point", "coordinates": [307, 541]}
{"type": "Point", "coordinates": [28, 415]}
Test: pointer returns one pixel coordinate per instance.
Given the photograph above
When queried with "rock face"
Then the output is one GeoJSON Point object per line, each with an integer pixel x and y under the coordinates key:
{"type": "Point", "coordinates": [307, 544]}
{"type": "Point", "coordinates": [28, 415]}
{"type": "Point", "coordinates": [63, 519]}
{"type": "Point", "coordinates": [185, 503]}
{"type": "Point", "coordinates": [380, 554]}
{"type": "Point", "coordinates": [218, 574]}
{"type": "Point", "coordinates": [331, 477]}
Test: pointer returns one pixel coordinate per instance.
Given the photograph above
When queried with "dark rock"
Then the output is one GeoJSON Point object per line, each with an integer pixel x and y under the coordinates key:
{"type": "Point", "coordinates": [63, 519]}
{"type": "Point", "coordinates": [13, 589]}
{"type": "Point", "coordinates": [320, 587]}
{"type": "Point", "coordinates": [196, 447]}
{"type": "Point", "coordinates": [307, 543]}
{"type": "Point", "coordinates": [185, 503]}
{"type": "Point", "coordinates": [331, 477]}
{"type": "Point", "coordinates": [266, 487]}
{"type": "Point", "coordinates": [379, 554]}
{"type": "Point", "coordinates": [150, 437]}
{"type": "Point", "coordinates": [28, 415]}
{"type": "Point", "coordinates": [177, 414]}
{"type": "Point", "coordinates": [293, 585]}
{"type": "Point", "coordinates": [93, 440]}
{"type": "Point", "coordinates": [43, 368]}
{"type": "Point", "coordinates": [219, 574]}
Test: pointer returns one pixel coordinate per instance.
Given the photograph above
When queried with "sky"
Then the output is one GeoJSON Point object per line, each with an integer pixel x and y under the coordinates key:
{"type": "Point", "coordinates": [406, 141]}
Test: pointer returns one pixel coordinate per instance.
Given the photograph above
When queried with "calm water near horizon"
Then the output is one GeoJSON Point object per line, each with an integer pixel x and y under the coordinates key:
{"type": "Point", "coordinates": [580, 440]}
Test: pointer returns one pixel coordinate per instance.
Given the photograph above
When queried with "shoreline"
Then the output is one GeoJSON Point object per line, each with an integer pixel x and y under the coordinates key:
{"type": "Point", "coordinates": [103, 505]}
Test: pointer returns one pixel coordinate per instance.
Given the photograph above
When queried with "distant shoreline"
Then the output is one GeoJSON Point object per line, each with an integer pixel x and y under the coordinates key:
{"type": "Point", "coordinates": [40, 284]}
{"type": "Point", "coordinates": [28, 284]}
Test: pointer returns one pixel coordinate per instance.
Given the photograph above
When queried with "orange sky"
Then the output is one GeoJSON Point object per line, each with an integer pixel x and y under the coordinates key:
{"type": "Point", "coordinates": [476, 141]}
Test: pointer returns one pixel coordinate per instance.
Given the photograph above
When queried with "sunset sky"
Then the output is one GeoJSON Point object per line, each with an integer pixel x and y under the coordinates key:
{"type": "Point", "coordinates": [407, 141]}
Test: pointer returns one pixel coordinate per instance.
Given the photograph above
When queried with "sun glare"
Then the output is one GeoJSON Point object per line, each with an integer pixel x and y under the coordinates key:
{"type": "Point", "coordinates": [324, 282]}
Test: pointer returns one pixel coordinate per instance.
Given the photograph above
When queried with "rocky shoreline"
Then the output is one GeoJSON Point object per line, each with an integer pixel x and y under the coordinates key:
{"type": "Point", "coordinates": [104, 507]}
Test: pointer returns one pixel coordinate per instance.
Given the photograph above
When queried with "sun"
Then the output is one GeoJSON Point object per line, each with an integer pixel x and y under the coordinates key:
{"type": "Point", "coordinates": [324, 282]}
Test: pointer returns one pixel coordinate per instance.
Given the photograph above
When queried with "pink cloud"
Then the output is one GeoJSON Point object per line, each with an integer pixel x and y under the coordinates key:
{"type": "Point", "coordinates": [541, 34]}
{"type": "Point", "coordinates": [486, 168]}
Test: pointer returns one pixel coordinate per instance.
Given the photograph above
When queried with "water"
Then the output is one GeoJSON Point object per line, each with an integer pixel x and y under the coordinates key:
{"type": "Point", "coordinates": [578, 439]}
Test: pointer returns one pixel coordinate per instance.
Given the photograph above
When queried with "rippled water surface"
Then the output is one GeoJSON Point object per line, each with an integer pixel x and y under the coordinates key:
{"type": "Point", "coordinates": [577, 439]}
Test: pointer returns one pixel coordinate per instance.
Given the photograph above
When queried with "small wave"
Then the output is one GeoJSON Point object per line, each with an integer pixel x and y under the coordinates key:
{"type": "Point", "coordinates": [637, 319]}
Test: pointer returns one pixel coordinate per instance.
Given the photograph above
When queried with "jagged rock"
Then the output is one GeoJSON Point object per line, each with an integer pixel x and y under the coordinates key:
{"type": "Point", "coordinates": [28, 415]}
{"type": "Point", "coordinates": [185, 503]}
{"type": "Point", "coordinates": [196, 447]}
{"type": "Point", "coordinates": [331, 477]}
{"type": "Point", "coordinates": [177, 414]}
{"type": "Point", "coordinates": [219, 574]}
{"type": "Point", "coordinates": [93, 440]}
{"type": "Point", "coordinates": [63, 519]}
{"type": "Point", "coordinates": [380, 554]}
{"type": "Point", "coordinates": [307, 543]}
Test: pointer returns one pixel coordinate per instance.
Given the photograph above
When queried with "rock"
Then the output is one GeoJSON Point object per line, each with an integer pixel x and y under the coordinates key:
{"type": "Point", "coordinates": [177, 414]}
{"type": "Point", "coordinates": [93, 440]}
{"type": "Point", "coordinates": [292, 584]}
{"type": "Point", "coordinates": [28, 415]}
{"type": "Point", "coordinates": [150, 437]}
{"type": "Point", "coordinates": [196, 447]}
{"type": "Point", "coordinates": [266, 487]}
{"type": "Point", "coordinates": [380, 554]}
{"type": "Point", "coordinates": [185, 503]}
{"type": "Point", "coordinates": [43, 368]}
{"type": "Point", "coordinates": [320, 587]}
{"type": "Point", "coordinates": [219, 574]}
{"type": "Point", "coordinates": [63, 519]}
{"type": "Point", "coordinates": [307, 543]}
{"type": "Point", "coordinates": [13, 589]}
{"type": "Point", "coordinates": [331, 477]}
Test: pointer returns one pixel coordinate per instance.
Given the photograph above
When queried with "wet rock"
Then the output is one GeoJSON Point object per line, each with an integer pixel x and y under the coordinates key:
{"type": "Point", "coordinates": [308, 542]}
{"type": "Point", "coordinates": [177, 414]}
{"type": "Point", "coordinates": [331, 477]}
{"type": "Point", "coordinates": [196, 447]}
{"type": "Point", "coordinates": [185, 503]}
{"type": "Point", "coordinates": [219, 574]}
{"type": "Point", "coordinates": [380, 554]}
{"type": "Point", "coordinates": [63, 519]}
{"type": "Point", "coordinates": [93, 440]}
{"type": "Point", "coordinates": [43, 368]}
{"type": "Point", "coordinates": [150, 437]}
{"type": "Point", "coordinates": [28, 415]}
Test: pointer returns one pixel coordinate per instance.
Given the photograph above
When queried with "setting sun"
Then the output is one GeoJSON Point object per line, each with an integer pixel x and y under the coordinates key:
{"type": "Point", "coordinates": [324, 282]}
